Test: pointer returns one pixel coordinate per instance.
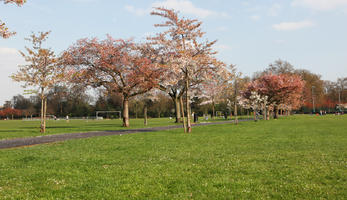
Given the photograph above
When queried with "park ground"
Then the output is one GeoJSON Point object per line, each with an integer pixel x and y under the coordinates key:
{"type": "Point", "coordinates": [296, 157]}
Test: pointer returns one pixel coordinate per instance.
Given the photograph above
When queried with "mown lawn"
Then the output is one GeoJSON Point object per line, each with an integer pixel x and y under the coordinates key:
{"type": "Point", "coordinates": [20, 128]}
{"type": "Point", "coordinates": [300, 157]}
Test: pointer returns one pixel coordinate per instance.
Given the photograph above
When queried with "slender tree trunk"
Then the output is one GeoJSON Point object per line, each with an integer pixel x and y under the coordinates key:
{"type": "Point", "coordinates": [44, 116]}
{"type": "Point", "coordinates": [276, 112]}
{"type": "Point", "coordinates": [182, 112]}
{"type": "Point", "coordinates": [189, 127]}
{"type": "Point", "coordinates": [213, 110]}
{"type": "Point", "coordinates": [126, 112]}
{"type": "Point", "coordinates": [264, 112]}
{"type": "Point", "coordinates": [255, 115]}
{"type": "Point", "coordinates": [235, 103]}
{"type": "Point", "coordinates": [42, 109]}
{"type": "Point", "coordinates": [145, 114]}
{"type": "Point", "coordinates": [235, 113]}
{"type": "Point", "coordinates": [159, 114]}
{"type": "Point", "coordinates": [267, 114]}
{"type": "Point", "coordinates": [177, 109]}
{"type": "Point", "coordinates": [136, 110]}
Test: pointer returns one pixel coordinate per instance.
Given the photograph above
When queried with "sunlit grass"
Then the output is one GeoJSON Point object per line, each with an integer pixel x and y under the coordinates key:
{"type": "Point", "coordinates": [300, 157]}
{"type": "Point", "coordinates": [21, 128]}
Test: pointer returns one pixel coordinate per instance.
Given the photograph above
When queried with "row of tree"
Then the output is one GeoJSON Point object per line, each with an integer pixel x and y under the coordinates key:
{"type": "Point", "coordinates": [77, 102]}
{"type": "Point", "coordinates": [62, 102]}
{"type": "Point", "coordinates": [178, 61]}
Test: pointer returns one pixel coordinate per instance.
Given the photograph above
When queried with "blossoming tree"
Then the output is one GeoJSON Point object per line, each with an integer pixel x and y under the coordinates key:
{"type": "Point", "coordinates": [253, 101]}
{"type": "Point", "coordinates": [41, 72]}
{"type": "Point", "coordinates": [280, 89]}
{"type": "Point", "coordinates": [189, 60]}
{"type": "Point", "coordinates": [115, 64]}
{"type": "Point", "coordinates": [4, 32]}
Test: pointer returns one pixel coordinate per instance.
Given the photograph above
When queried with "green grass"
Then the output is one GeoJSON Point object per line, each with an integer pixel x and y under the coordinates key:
{"type": "Point", "coordinates": [300, 157]}
{"type": "Point", "coordinates": [20, 128]}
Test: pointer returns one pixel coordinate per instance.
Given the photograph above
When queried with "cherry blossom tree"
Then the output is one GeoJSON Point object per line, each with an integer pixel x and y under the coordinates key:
{"type": "Point", "coordinates": [279, 89]}
{"type": "Point", "coordinates": [41, 72]}
{"type": "Point", "coordinates": [10, 112]}
{"type": "Point", "coordinates": [118, 65]}
{"type": "Point", "coordinates": [4, 32]}
{"type": "Point", "coordinates": [216, 88]}
{"type": "Point", "coordinates": [253, 101]}
{"type": "Point", "coordinates": [189, 60]}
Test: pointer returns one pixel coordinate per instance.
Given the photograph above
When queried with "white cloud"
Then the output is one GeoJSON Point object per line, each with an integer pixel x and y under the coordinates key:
{"type": "Point", "coordinates": [4, 51]}
{"type": "Point", "coordinates": [274, 10]}
{"type": "Point", "coordinates": [290, 26]}
{"type": "Point", "coordinates": [10, 59]}
{"type": "Point", "coordinates": [321, 5]}
{"type": "Point", "coordinates": [184, 6]}
{"type": "Point", "coordinates": [255, 17]}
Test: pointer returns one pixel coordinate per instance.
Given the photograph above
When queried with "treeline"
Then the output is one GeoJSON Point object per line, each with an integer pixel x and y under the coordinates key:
{"type": "Point", "coordinates": [317, 94]}
{"type": "Point", "coordinates": [78, 102]}
{"type": "Point", "coordinates": [175, 72]}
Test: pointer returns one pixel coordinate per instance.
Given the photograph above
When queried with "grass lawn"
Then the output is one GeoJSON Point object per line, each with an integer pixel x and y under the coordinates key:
{"type": "Point", "coordinates": [20, 128]}
{"type": "Point", "coordinates": [299, 157]}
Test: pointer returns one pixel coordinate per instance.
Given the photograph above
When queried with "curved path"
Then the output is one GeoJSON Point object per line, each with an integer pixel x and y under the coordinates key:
{"type": "Point", "coordinates": [22, 142]}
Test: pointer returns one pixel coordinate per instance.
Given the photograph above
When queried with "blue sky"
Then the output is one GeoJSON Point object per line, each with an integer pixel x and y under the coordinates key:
{"type": "Point", "coordinates": [310, 34]}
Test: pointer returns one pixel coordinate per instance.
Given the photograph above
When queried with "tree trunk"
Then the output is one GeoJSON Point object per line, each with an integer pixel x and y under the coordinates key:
{"type": "Point", "coordinates": [145, 114]}
{"type": "Point", "coordinates": [267, 114]}
{"type": "Point", "coordinates": [235, 113]}
{"type": "Point", "coordinates": [176, 101]}
{"type": "Point", "coordinates": [45, 116]}
{"type": "Point", "coordinates": [264, 112]}
{"type": "Point", "coordinates": [136, 110]}
{"type": "Point", "coordinates": [182, 112]}
{"type": "Point", "coordinates": [189, 127]}
{"type": "Point", "coordinates": [255, 115]}
{"type": "Point", "coordinates": [276, 112]}
{"type": "Point", "coordinates": [213, 110]}
{"type": "Point", "coordinates": [126, 112]}
{"type": "Point", "coordinates": [42, 109]}
{"type": "Point", "coordinates": [235, 103]}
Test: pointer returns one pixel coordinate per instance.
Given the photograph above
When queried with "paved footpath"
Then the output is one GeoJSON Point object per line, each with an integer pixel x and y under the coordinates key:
{"type": "Point", "coordinates": [22, 142]}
